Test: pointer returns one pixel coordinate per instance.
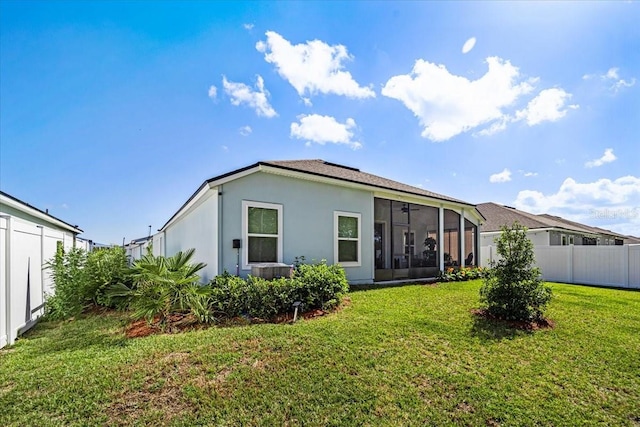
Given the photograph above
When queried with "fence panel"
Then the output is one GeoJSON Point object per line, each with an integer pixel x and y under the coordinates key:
{"type": "Point", "coordinates": [4, 338]}
{"type": "Point", "coordinates": [634, 266]}
{"type": "Point", "coordinates": [600, 265]}
{"type": "Point", "coordinates": [24, 284]}
{"type": "Point", "coordinates": [617, 266]}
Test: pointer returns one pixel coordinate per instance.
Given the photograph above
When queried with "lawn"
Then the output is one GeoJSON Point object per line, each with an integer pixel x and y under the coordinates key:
{"type": "Point", "coordinates": [411, 355]}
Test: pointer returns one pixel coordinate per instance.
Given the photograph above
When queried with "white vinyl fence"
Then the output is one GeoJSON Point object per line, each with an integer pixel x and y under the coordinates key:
{"type": "Point", "coordinates": [24, 248]}
{"type": "Point", "coordinates": [617, 266]}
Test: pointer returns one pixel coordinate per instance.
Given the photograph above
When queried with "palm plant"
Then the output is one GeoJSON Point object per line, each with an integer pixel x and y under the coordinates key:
{"type": "Point", "coordinates": [162, 286]}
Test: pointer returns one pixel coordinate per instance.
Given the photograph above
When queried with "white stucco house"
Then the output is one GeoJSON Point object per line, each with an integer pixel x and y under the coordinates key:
{"type": "Point", "coordinates": [274, 211]}
{"type": "Point", "coordinates": [28, 238]}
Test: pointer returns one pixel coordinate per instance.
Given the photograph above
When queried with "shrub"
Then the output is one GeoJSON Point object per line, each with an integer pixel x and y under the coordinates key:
{"type": "Point", "coordinates": [461, 274]}
{"type": "Point", "coordinates": [321, 285]}
{"type": "Point", "coordinates": [105, 268]}
{"type": "Point", "coordinates": [315, 285]}
{"type": "Point", "coordinates": [514, 290]}
{"type": "Point", "coordinates": [67, 272]}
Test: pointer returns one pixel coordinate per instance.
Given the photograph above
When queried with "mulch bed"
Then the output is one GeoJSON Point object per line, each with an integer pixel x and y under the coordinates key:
{"type": "Point", "coordinates": [516, 324]}
{"type": "Point", "coordinates": [177, 323]}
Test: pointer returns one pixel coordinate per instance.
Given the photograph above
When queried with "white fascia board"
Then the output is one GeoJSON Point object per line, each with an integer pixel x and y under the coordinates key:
{"type": "Point", "coordinates": [235, 176]}
{"type": "Point", "coordinates": [37, 214]}
{"type": "Point", "coordinates": [197, 200]}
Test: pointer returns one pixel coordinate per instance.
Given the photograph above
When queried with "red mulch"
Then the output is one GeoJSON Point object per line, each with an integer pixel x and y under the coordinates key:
{"type": "Point", "coordinates": [516, 324]}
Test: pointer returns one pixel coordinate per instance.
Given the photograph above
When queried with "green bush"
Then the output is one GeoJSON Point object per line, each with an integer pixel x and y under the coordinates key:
{"type": "Point", "coordinates": [452, 274]}
{"type": "Point", "coordinates": [81, 279]}
{"type": "Point", "coordinates": [314, 285]}
{"type": "Point", "coordinates": [105, 268]}
{"type": "Point", "coordinates": [70, 285]}
{"type": "Point", "coordinates": [514, 289]}
{"type": "Point", "coordinates": [322, 285]}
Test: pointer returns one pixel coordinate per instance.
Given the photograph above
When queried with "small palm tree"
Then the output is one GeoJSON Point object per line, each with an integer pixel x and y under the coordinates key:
{"type": "Point", "coordinates": [162, 286]}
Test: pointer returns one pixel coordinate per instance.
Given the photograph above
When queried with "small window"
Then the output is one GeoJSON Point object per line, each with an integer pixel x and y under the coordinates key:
{"type": "Point", "coordinates": [347, 249]}
{"type": "Point", "coordinates": [262, 224]}
{"type": "Point", "coordinates": [571, 240]}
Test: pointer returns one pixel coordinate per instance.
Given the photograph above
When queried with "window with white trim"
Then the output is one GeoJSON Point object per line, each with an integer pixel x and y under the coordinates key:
{"type": "Point", "coordinates": [348, 239]}
{"type": "Point", "coordinates": [262, 226]}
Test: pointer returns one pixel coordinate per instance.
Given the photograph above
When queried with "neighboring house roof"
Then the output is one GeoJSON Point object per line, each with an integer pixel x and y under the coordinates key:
{"type": "Point", "coordinates": [15, 203]}
{"type": "Point", "coordinates": [323, 169]}
{"type": "Point", "coordinates": [498, 215]}
{"type": "Point", "coordinates": [139, 241]}
{"type": "Point", "coordinates": [594, 230]}
{"type": "Point", "coordinates": [631, 240]}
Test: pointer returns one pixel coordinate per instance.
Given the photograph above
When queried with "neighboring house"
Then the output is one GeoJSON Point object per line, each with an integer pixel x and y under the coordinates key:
{"type": "Point", "coordinates": [604, 237]}
{"type": "Point", "coordinates": [544, 229]}
{"type": "Point", "coordinates": [631, 240]}
{"type": "Point", "coordinates": [138, 247]}
{"type": "Point", "coordinates": [29, 238]}
{"type": "Point", "coordinates": [275, 211]}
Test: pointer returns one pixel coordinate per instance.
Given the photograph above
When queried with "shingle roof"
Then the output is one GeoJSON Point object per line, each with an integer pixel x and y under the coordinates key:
{"type": "Point", "coordinates": [594, 230]}
{"type": "Point", "coordinates": [498, 215]}
{"type": "Point", "coordinates": [322, 168]}
{"type": "Point", "coordinates": [345, 173]}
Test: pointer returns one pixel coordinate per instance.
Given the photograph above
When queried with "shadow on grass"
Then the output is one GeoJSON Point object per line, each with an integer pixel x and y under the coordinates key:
{"type": "Point", "coordinates": [487, 329]}
{"type": "Point", "coordinates": [84, 334]}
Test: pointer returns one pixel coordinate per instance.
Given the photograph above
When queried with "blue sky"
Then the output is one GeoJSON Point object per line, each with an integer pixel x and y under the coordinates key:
{"type": "Point", "coordinates": [113, 113]}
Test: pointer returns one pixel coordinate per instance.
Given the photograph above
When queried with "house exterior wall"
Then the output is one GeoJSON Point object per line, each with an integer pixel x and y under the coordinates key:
{"type": "Point", "coordinates": [198, 229]}
{"type": "Point", "coordinates": [308, 219]}
{"type": "Point", "coordinates": [538, 238]}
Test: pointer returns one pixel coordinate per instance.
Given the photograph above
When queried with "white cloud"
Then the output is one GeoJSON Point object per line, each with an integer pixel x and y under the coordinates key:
{"type": "Point", "coordinates": [468, 45]}
{"type": "Point", "coordinates": [447, 105]}
{"type": "Point", "coordinates": [504, 176]}
{"type": "Point", "coordinates": [616, 202]}
{"type": "Point", "coordinates": [497, 126]}
{"type": "Point", "coordinates": [324, 129]}
{"type": "Point", "coordinates": [609, 204]}
{"type": "Point", "coordinates": [528, 174]}
{"type": "Point", "coordinates": [547, 106]}
{"type": "Point", "coordinates": [607, 157]}
{"type": "Point", "coordinates": [248, 27]}
{"type": "Point", "coordinates": [575, 195]}
{"type": "Point", "coordinates": [245, 130]}
{"type": "Point", "coordinates": [213, 92]}
{"type": "Point", "coordinates": [613, 76]}
{"type": "Point", "coordinates": [240, 94]}
{"type": "Point", "coordinates": [225, 148]}
{"type": "Point", "coordinates": [618, 83]}
{"type": "Point", "coordinates": [313, 67]}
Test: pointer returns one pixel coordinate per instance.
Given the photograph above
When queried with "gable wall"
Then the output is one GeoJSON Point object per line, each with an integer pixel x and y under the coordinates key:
{"type": "Point", "coordinates": [308, 219]}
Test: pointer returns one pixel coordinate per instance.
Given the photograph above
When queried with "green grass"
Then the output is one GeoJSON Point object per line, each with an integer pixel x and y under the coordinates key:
{"type": "Point", "coordinates": [410, 355]}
